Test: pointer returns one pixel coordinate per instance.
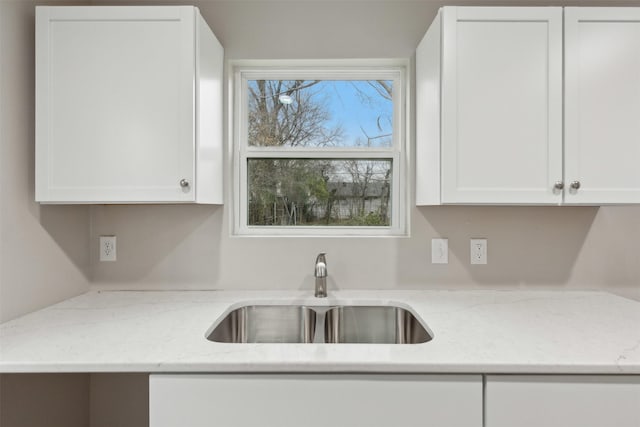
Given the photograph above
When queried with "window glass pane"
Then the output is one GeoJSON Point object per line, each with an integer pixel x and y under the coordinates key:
{"type": "Point", "coordinates": [320, 113]}
{"type": "Point", "coordinates": [306, 192]}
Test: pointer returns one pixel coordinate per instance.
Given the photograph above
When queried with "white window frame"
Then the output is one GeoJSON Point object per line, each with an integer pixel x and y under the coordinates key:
{"type": "Point", "coordinates": [388, 69]}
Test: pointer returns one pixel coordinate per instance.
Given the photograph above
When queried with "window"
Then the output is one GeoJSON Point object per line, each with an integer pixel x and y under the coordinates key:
{"type": "Point", "coordinates": [320, 150]}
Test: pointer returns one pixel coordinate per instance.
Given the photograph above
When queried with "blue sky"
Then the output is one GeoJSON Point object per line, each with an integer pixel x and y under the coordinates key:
{"type": "Point", "coordinates": [354, 105]}
{"type": "Point", "coordinates": [344, 99]}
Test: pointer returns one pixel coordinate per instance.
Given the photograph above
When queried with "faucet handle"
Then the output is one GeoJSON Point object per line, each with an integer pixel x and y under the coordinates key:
{"type": "Point", "coordinates": [320, 271]}
{"type": "Point", "coordinates": [321, 265]}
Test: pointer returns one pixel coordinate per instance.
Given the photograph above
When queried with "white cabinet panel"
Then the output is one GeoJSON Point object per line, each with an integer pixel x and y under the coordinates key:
{"type": "Point", "coordinates": [489, 106]}
{"type": "Point", "coordinates": [562, 401]}
{"type": "Point", "coordinates": [428, 115]}
{"type": "Point", "coordinates": [315, 400]}
{"type": "Point", "coordinates": [118, 98]}
{"type": "Point", "coordinates": [501, 105]}
{"type": "Point", "coordinates": [602, 116]}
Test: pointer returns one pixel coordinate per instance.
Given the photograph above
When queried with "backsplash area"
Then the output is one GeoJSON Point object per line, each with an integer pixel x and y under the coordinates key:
{"type": "Point", "coordinates": [190, 247]}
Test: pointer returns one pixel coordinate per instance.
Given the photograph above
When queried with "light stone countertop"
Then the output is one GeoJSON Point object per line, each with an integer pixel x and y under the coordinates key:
{"type": "Point", "coordinates": [474, 332]}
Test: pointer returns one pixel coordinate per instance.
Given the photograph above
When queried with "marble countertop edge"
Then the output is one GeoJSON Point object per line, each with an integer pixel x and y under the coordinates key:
{"type": "Point", "coordinates": [481, 332]}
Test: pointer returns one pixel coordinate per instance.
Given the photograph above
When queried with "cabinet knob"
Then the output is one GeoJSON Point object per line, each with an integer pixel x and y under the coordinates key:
{"type": "Point", "coordinates": [575, 185]}
{"type": "Point", "coordinates": [184, 183]}
{"type": "Point", "coordinates": [559, 185]}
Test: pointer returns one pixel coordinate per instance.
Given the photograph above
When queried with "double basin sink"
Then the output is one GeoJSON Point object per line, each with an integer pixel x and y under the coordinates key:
{"type": "Point", "coordinates": [338, 324]}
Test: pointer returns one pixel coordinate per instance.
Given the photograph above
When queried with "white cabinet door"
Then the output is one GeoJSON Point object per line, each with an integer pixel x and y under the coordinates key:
{"type": "Point", "coordinates": [117, 96]}
{"type": "Point", "coordinates": [602, 105]}
{"type": "Point", "coordinates": [562, 401]}
{"type": "Point", "coordinates": [489, 105]}
{"type": "Point", "coordinates": [501, 105]}
{"type": "Point", "coordinates": [315, 400]}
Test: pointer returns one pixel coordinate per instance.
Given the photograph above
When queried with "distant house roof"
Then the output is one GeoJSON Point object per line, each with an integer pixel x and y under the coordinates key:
{"type": "Point", "coordinates": [351, 189]}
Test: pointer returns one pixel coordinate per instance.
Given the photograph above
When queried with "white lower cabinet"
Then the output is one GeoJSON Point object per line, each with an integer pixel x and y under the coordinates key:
{"type": "Point", "coordinates": [389, 400]}
{"type": "Point", "coordinates": [339, 400]}
{"type": "Point", "coordinates": [562, 401]}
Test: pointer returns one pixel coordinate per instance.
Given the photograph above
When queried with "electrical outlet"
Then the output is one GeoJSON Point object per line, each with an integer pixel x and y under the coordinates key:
{"type": "Point", "coordinates": [478, 252]}
{"type": "Point", "coordinates": [107, 248]}
{"type": "Point", "coordinates": [439, 251]}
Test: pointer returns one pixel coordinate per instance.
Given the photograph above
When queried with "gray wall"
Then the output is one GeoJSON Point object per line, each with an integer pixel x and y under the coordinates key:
{"type": "Point", "coordinates": [74, 400]}
{"type": "Point", "coordinates": [39, 400]}
{"type": "Point", "coordinates": [529, 247]}
{"type": "Point", "coordinates": [49, 253]}
{"type": "Point", "coordinates": [43, 249]}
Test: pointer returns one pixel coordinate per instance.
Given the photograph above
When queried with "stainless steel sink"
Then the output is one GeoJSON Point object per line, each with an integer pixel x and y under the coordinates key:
{"type": "Point", "coordinates": [319, 325]}
{"type": "Point", "coordinates": [374, 325]}
{"type": "Point", "coordinates": [266, 324]}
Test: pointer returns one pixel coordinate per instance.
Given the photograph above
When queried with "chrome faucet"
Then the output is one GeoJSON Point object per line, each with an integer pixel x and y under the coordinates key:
{"type": "Point", "coordinates": [321, 276]}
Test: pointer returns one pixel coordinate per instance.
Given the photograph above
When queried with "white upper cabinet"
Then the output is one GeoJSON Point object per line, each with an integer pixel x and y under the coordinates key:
{"type": "Point", "coordinates": [602, 105]}
{"type": "Point", "coordinates": [489, 100]}
{"type": "Point", "coordinates": [128, 106]}
{"type": "Point", "coordinates": [499, 110]}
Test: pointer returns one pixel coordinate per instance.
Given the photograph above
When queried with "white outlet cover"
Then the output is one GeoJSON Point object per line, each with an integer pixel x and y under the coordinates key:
{"type": "Point", "coordinates": [439, 251]}
{"type": "Point", "coordinates": [107, 248]}
{"type": "Point", "coordinates": [478, 251]}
